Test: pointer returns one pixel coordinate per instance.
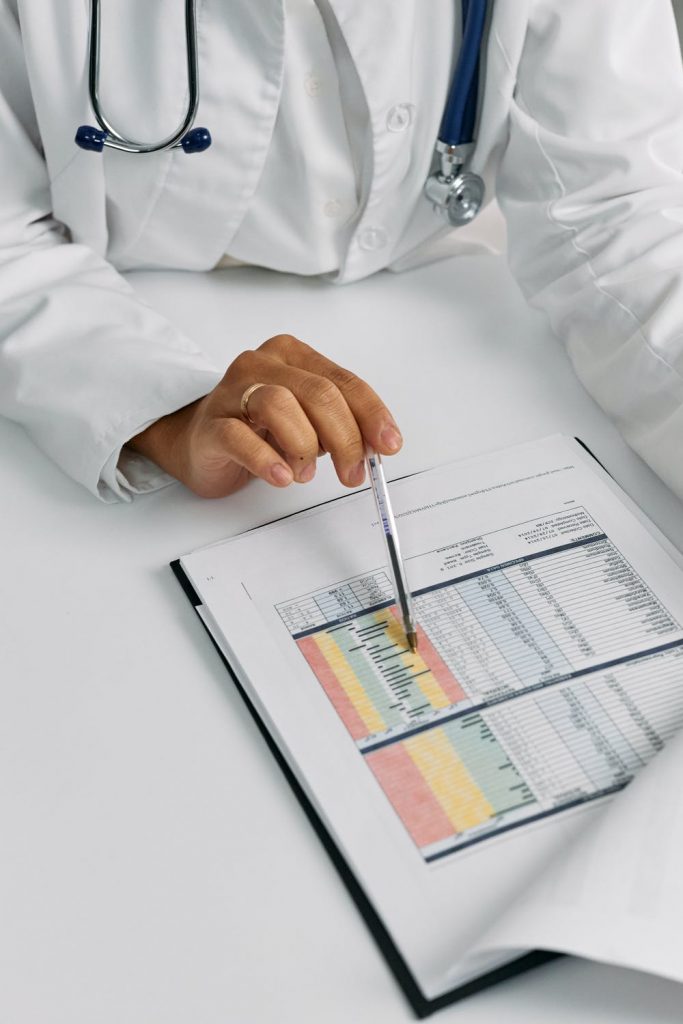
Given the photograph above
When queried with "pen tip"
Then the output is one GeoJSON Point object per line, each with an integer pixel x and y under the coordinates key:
{"type": "Point", "coordinates": [412, 640]}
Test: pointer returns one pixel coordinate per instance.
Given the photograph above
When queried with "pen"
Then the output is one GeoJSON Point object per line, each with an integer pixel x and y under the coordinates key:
{"type": "Point", "coordinates": [386, 516]}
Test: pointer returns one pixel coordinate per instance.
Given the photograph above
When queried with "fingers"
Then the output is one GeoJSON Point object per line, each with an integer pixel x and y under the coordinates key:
{"type": "Point", "coordinates": [336, 428]}
{"type": "Point", "coordinates": [374, 420]}
{"type": "Point", "coordinates": [307, 405]}
{"type": "Point", "coordinates": [232, 440]}
{"type": "Point", "coordinates": [274, 408]}
{"type": "Point", "coordinates": [305, 417]}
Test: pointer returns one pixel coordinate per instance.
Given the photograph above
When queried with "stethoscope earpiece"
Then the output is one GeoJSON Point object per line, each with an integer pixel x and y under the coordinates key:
{"type": "Point", "coordinates": [94, 139]}
{"type": "Point", "coordinates": [196, 140]}
{"type": "Point", "coordinates": [90, 138]}
{"type": "Point", "coordinates": [191, 140]}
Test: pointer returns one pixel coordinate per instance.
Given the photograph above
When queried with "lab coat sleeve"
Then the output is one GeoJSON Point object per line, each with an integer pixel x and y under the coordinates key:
{"type": "Point", "coordinates": [84, 365]}
{"type": "Point", "coordinates": [591, 187]}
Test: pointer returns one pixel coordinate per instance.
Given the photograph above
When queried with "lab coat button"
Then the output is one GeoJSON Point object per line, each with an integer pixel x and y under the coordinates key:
{"type": "Point", "coordinates": [332, 208]}
{"type": "Point", "coordinates": [372, 238]}
{"type": "Point", "coordinates": [312, 84]}
{"type": "Point", "coordinates": [400, 117]}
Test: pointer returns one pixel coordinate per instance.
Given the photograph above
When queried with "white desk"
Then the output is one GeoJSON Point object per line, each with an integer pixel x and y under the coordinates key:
{"type": "Point", "coordinates": [154, 866]}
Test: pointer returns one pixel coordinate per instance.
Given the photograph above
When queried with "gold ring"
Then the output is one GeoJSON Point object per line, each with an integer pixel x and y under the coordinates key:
{"type": "Point", "coordinates": [244, 402]}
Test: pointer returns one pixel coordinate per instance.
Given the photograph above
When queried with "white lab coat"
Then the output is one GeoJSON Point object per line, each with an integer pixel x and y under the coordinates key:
{"type": "Point", "coordinates": [581, 139]}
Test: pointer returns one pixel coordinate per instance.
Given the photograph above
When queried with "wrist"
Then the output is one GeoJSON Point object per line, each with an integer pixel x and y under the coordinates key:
{"type": "Point", "coordinates": [164, 441]}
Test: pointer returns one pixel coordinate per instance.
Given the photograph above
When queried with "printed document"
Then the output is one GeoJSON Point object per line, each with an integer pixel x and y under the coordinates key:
{"type": "Point", "coordinates": [481, 789]}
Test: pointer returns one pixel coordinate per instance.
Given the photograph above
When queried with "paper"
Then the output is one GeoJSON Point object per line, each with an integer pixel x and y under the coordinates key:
{"type": "Point", "coordinates": [549, 673]}
{"type": "Point", "coordinates": [531, 689]}
{"type": "Point", "coordinates": [616, 894]}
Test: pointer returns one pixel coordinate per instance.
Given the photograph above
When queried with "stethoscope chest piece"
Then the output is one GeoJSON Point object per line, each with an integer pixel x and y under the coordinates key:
{"type": "Point", "coordinates": [458, 197]}
{"type": "Point", "coordinates": [465, 199]}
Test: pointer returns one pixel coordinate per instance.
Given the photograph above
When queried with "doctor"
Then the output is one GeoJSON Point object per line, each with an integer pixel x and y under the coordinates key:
{"type": "Point", "coordinates": [324, 115]}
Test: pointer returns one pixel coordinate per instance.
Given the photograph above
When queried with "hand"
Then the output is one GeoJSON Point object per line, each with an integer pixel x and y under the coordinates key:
{"type": "Point", "coordinates": [308, 406]}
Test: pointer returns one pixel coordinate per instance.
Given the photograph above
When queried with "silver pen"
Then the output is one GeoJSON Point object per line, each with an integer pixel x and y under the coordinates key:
{"type": "Point", "coordinates": [386, 516]}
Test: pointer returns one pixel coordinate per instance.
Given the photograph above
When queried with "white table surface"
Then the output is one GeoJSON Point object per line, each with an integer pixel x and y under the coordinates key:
{"type": "Point", "coordinates": [154, 865]}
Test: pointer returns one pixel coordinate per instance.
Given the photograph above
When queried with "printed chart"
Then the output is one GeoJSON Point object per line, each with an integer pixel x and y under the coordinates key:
{"type": "Point", "coordinates": [373, 680]}
{"type": "Point", "coordinates": [539, 683]}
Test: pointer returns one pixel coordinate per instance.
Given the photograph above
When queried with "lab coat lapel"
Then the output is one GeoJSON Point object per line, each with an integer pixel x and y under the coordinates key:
{"type": "Point", "coordinates": [383, 80]}
{"type": "Point", "coordinates": [397, 78]}
{"type": "Point", "coordinates": [60, 98]}
{"type": "Point", "coordinates": [192, 205]}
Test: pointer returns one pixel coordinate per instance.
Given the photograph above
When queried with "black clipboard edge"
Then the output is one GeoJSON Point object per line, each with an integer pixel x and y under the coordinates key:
{"type": "Point", "coordinates": [420, 1005]}
{"type": "Point", "coordinates": [593, 455]}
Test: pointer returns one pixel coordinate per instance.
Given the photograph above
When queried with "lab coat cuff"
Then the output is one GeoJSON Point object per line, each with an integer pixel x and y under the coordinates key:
{"type": "Point", "coordinates": [126, 473]}
{"type": "Point", "coordinates": [136, 474]}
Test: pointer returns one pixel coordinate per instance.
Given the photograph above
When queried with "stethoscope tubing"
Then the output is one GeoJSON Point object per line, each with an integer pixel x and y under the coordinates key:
{"type": "Point", "coordinates": [115, 139]}
{"type": "Point", "coordinates": [458, 120]}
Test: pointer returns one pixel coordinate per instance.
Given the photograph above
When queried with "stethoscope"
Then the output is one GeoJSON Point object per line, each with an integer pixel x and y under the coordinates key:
{"type": "Point", "coordinates": [454, 191]}
{"type": "Point", "coordinates": [192, 140]}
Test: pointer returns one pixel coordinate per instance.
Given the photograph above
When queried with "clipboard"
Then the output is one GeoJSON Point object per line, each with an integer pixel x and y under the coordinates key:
{"type": "Point", "coordinates": [421, 1006]}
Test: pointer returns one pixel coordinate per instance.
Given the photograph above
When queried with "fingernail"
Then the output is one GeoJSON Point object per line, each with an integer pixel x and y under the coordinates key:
{"type": "Point", "coordinates": [281, 474]}
{"type": "Point", "coordinates": [391, 439]}
{"type": "Point", "coordinates": [357, 474]}
{"type": "Point", "coordinates": [307, 473]}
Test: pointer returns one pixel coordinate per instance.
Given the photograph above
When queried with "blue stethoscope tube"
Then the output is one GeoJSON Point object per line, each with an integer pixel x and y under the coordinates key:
{"type": "Point", "coordinates": [192, 140]}
{"type": "Point", "coordinates": [454, 192]}
{"type": "Point", "coordinates": [457, 123]}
